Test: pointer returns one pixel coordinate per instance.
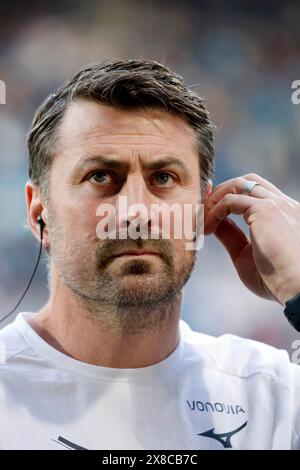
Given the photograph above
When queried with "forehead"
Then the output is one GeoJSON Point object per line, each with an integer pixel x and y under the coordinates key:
{"type": "Point", "coordinates": [88, 124]}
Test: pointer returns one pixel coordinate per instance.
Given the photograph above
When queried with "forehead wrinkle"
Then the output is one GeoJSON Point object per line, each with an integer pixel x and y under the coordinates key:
{"type": "Point", "coordinates": [108, 145]}
{"type": "Point", "coordinates": [84, 136]}
{"type": "Point", "coordinates": [86, 121]}
{"type": "Point", "coordinates": [93, 138]}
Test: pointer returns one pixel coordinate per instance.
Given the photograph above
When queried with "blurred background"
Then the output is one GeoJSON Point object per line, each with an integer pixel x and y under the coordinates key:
{"type": "Point", "coordinates": [241, 56]}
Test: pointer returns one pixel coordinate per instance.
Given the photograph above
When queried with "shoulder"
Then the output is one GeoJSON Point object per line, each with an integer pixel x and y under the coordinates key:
{"type": "Point", "coordinates": [236, 355]}
{"type": "Point", "coordinates": [12, 343]}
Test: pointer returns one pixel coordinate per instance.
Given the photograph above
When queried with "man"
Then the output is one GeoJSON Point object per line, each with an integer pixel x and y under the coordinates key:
{"type": "Point", "coordinates": [107, 363]}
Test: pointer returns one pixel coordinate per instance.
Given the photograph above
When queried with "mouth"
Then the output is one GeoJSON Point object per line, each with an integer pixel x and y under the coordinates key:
{"type": "Point", "coordinates": [136, 253]}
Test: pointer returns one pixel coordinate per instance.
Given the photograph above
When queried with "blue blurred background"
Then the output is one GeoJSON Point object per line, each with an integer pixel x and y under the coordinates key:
{"type": "Point", "coordinates": [241, 56]}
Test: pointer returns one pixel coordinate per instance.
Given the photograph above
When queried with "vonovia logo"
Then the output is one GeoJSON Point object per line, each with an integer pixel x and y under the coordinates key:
{"type": "Point", "coordinates": [2, 92]}
{"type": "Point", "coordinates": [2, 353]}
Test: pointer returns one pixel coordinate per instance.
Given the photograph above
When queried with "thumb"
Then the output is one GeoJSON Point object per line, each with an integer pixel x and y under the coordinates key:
{"type": "Point", "coordinates": [232, 237]}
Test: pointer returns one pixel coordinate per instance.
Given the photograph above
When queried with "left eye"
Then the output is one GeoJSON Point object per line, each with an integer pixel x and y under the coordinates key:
{"type": "Point", "coordinates": [163, 178]}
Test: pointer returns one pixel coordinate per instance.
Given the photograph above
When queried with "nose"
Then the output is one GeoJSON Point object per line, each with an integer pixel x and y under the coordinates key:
{"type": "Point", "coordinates": [134, 203]}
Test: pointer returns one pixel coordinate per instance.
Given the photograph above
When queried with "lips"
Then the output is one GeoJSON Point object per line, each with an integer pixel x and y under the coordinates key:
{"type": "Point", "coordinates": [136, 253]}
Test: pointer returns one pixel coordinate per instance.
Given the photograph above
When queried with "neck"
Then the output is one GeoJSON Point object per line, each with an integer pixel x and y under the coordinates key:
{"type": "Point", "coordinates": [96, 337]}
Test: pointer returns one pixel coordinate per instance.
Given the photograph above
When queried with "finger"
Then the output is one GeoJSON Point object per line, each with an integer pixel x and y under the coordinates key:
{"type": "Point", "coordinates": [265, 183]}
{"type": "Point", "coordinates": [235, 186]}
{"type": "Point", "coordinates": [232, 237]}
{"type": "Point", "coordinates": [254, 177]}
{"type": "Point", "coordinates": [230, 204]}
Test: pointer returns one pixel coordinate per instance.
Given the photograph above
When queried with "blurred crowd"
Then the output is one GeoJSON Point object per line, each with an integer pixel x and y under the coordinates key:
{"type": "Point", "coordinates": [240, 56]}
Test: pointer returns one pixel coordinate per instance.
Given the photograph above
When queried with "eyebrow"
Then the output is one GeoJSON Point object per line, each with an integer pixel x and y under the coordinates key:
{"type": "Point", "coordinates": [121, 165]}
{"type": "Point", "coordinates": [108, 162]}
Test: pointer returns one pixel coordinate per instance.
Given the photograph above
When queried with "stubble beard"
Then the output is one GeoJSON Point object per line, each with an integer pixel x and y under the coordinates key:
{"type": "Point", "coordinates": [135, 298]}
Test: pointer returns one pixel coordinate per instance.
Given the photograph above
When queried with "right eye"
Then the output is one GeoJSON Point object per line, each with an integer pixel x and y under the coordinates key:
{"type": "Point", "coordinates": [100, 177]}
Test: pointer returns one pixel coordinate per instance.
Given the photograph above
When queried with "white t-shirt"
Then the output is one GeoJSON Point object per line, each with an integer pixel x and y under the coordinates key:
{"type": "Point", "coordinates": [210, 393]}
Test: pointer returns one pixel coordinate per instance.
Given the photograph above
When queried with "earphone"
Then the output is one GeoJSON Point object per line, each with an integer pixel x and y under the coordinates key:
{"type": "Point", "coordinates": [42, 226]}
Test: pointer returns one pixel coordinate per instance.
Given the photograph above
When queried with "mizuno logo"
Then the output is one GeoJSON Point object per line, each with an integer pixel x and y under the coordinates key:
{"type": "Point", "coordinates": [223, 438]}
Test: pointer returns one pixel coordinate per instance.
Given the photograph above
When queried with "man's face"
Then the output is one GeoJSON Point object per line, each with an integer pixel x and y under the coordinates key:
{"type": "Point", "coordinates": [148, 156]}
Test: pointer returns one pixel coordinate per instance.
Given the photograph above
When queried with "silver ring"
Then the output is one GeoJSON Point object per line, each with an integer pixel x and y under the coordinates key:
{"type": "Point", "coordinates": [248, 187]}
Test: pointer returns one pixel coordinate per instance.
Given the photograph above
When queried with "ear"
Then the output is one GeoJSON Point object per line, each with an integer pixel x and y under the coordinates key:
{"type": "Point", "coordinates": [35, 207]}
{"type": "Point", "coordinates": [209, 188]}
{"type": "Point", "coordinates": [207, 193]}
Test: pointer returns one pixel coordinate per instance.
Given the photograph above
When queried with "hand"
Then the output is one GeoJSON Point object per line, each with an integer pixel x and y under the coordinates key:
{"type": "Point", "coordinates": [268, 262]}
